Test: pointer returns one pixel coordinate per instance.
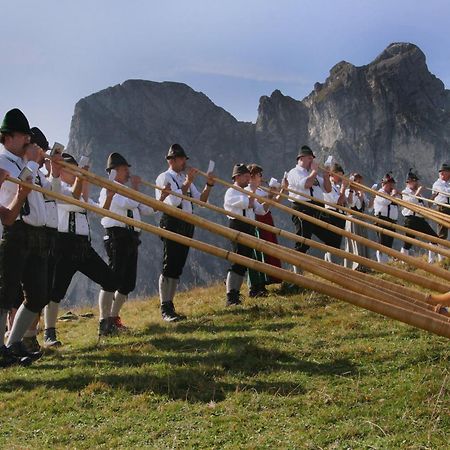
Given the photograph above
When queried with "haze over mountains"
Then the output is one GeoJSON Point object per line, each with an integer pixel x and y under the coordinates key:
{"type": "Point", "coordinates": [391, 114]}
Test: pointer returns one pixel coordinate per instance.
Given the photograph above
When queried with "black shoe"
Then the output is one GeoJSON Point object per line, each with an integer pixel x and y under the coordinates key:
{"type": "Point", "coordinates": [31, 344]}
{"type": "Point", "coordinates": [105, 327]}
{"type": "Point", "coordinates": [233, 298]}
{"type": "Point", "coordinates": [7, 359]}
{"type": "Point", "coordinates": [258, 291]}
{"type": "Point", "coordinates": [169, 314]}
{"type": "Point", "coordinates": [19, 350]}
{"type": "Point", "coordinates": [50, 339]}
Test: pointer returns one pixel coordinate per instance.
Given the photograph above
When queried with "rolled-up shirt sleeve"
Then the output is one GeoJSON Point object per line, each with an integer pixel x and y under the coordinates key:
{"type": "Point", "coordinates": [235, 199]}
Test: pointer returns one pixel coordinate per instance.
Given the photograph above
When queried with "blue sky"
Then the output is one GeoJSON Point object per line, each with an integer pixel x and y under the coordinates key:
{"type": "Point", "coordinates": [56, 52]}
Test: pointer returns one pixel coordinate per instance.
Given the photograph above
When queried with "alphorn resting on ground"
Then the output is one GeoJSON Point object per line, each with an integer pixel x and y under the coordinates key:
{"type": "Point", "coordinates": [414, 318]}
{"type": "Point", "coordinates": [150, 201]}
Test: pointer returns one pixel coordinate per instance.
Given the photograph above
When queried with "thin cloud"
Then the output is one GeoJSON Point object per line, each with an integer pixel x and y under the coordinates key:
{"type": "Point", "coordinates": [253, 74]}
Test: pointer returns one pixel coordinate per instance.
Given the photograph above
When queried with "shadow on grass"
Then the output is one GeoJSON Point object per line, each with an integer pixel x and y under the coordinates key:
{"type": "Point", "coordinates": [194, 370]}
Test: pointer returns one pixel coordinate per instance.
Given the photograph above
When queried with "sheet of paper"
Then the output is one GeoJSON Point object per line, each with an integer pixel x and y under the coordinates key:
{"type": "Point", "coordinates": [211, 166]}
{"type": "Point", "coordinates": [84, 161]}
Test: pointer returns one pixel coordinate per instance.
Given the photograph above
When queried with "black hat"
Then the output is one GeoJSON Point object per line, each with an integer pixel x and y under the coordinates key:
{"type": "Point", "coordinates": [15, 120]}
{"type": "Point", "coordinates": [116, 160]}
{"type": "Point", "coordinates": [445, 168]}
{"type": "Point", "coordinates": [305, 151]}
{"type": "Point", "coordinates": [176, 150]}
{"type": "Point", "coordinates": [388, 178]}
{"type": "Point", "coordinates": [69, 159]}
{"type": "Point", "coordinates": [239, 169]}
{"type": "Point", "coordinates": [412, 176]}
{"type": "Point", "coordinates": [38, 137]}
{"type": "Point", "coordinates": [254, 168]}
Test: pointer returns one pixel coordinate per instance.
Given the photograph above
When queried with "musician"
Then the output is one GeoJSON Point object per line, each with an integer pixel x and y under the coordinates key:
{"type": "Point", "coordinates": [244, 205]}
{"type": "Point", "coordinates": [75, 253]}
{"type": "Point", "coordinates": [175, 254]}
{"type": "Point", "coordinates": [258, 281]}
{"type": "Point", "coordinates": [414, 220]}
{"type": "Point", "coordinates": [306, 177]}
{"type": "Point", "coordinates": [441, 194]}
{"type": "Point", "coordinates": [338, 196]}
{"type": "Point", "coordinates": [23, 248]}
{"type": "Point", "coordinates": [121, 240]}
{"type": "Point", "coordinates": [387, 210]}
{"type": "Point", "coordinates": [357, 201]}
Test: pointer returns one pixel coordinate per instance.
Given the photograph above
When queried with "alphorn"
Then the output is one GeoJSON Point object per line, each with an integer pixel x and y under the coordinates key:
{"type": "Point", "coordinates": [429, 200]}
{"type": "Point", "coordinates": [374, 219]}
{"type": "Point", "coordinates": [382, 268]}
{"type": "Point", "coordinates": [370, 226]}
{"type": "Point", "coordinates": [276, 250]}
{"type": "Point", "coordinates": [260, 245]}
{"type": "Point", "coordinates": [415, 262]}
{"type": "Point", "coordinates": [444, 221]}
{"type": "Point", "coordinates": [393, 311]}
{"type": "Point", "coordinates": [447, 194]}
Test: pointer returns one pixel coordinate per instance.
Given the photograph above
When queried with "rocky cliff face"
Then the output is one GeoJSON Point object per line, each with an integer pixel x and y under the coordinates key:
{"type": "Point", "coordinates": [391, 114]}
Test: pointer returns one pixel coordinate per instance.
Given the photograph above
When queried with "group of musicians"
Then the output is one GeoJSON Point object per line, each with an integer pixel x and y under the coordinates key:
{"type": "Point", "coordinates": [45, 242]}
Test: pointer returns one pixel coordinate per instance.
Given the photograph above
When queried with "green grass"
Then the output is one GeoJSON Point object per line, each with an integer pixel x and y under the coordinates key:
{"type": "Point", "coordinates": [280, 373]}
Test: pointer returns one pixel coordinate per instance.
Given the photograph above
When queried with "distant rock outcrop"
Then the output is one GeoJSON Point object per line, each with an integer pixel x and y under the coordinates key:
{"type": "Point", "coordinates": [391, 114]}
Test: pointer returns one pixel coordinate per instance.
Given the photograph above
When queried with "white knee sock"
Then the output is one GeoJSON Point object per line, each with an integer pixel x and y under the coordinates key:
{"type": "Point", "coordinates": [167, 289]}
{"type": "Point", "coordinates": [119, 300]}
{"type": "Point", "coordinates": [22, 321]}
{"type": "Point", "coordinates": [234, 281]}
{"type": "Point", "coordinates": [51, 315]}
{"type": "Point", "coordinates": [105, 300]}
{"type": "Point", "coordinates": [431, 257]}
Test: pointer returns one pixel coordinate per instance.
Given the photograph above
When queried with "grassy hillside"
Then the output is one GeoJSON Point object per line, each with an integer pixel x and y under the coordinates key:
{"type": "Point", "coordinates": [284, 372]}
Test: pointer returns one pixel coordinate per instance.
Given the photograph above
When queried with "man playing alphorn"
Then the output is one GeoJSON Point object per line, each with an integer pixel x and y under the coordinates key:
{"type": "Point", "coordinates": [387, 210]}
{"type": "Point", "coordinates": [414, 220]}
{"type": "Point", "coordinates": [121, 240]}
{"type": "Point", "coordinates": [175, 254]}
{"type": "Point", "coordinates": [441, 194]}
{"type": "Point", "coordinates": [240, 203]}
{"type": "Point", "coordinates": [306, 177]}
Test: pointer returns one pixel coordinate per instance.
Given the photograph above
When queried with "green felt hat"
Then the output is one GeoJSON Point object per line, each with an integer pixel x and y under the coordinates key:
{"type": "Point", "coordinates": [15, 120]}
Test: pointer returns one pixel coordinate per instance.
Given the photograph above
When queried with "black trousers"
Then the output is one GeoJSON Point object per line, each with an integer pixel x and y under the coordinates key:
{"type": "Point", "coordinates": [241, 249]}
{"type": "Point", "coordinates": [75, 254]}
{"type": "Point", "coordinates": [387, 241]}
{"type": "Point", "coordinates": [417, 224]}
{"type": "Point", "coordinates": [121, 246]}
{"type": "Point", "coordinates": [52, 235]}
{"type": "Point", "coordinates": [23, 267]}
{"type": "Point", "coordinates": [442, 231]}
{"type": "Point", "coordinates": [330, 238]}
{"type": "Point", "coordinates": [306, 229]}
{"type": "Point", "coordinates": [175, 254]}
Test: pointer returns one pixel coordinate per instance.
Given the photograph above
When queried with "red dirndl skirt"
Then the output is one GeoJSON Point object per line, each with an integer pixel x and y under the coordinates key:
{"type": "Point", "coordinates": [270, 237]}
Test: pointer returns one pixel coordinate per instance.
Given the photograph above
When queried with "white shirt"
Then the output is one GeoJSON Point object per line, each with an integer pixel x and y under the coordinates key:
{"type": "Point", "coordinates": [443, 186]}
{"type": "Point", "coordinates": [176, 181]}
{"type": "Point", "coordinates": [72, 219]}
{"type": "Point", "coordinates": [356, 202]}
{"type": "Point", "coordinates": [384, 207]}
{"type": "Point", "coordinates": [297, 178]}
{"type": "Point", "coordinates": [14, 164]}
{"type": "Point", "coordinates": [237, 202]}
{"type": "Point", "coordinates": [406, 196]}
{"type": "Point", "coordinates": [333, 195]}
{"type": "Point", "coordinates": [125, 207]}
{"type": "Point", "coordinates": [51, 208]}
